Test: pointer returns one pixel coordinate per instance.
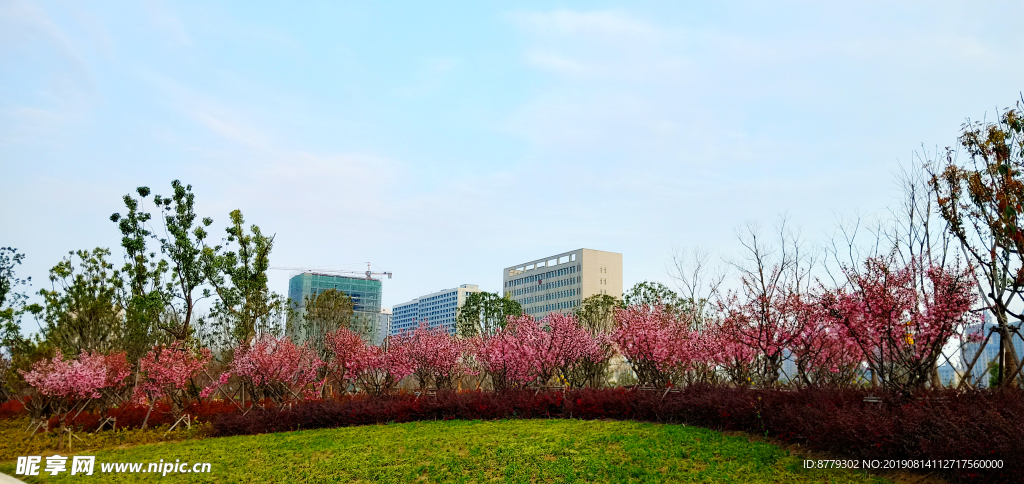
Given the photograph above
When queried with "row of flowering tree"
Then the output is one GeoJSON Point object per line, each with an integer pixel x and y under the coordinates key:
{"type": "Point", "coordinates": [887, 325]}
{"type": "Point", "coordinates": [883, 327]}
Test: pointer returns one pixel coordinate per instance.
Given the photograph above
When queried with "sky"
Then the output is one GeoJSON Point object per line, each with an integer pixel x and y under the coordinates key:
{"type": "Point", "coordinates": [444, 141]}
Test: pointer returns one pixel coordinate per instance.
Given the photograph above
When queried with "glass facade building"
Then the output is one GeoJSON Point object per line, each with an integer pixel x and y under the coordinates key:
{"type": "Point", "coordinates": [365, 294]}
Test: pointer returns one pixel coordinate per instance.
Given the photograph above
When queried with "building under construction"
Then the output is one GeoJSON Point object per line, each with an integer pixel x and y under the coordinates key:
{"type": "Point", "coordinates": [365, 293]}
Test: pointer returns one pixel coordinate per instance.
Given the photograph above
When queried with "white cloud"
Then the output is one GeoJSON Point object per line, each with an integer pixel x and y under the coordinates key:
{"type": "Point", "coordinates": [600, 24]}
{"type": "Point", "coordinates": [560, 64]}
{"type": "Point", "coordinates": [47, 82]}
{"type": "Point", "coordinates": [224, 118]}
{"type": "Point", "coordinates": [229, 126]}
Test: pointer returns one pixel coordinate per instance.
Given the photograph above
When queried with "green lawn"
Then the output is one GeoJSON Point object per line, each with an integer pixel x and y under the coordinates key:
{"type": "Point", "coordinates": [475, 451]}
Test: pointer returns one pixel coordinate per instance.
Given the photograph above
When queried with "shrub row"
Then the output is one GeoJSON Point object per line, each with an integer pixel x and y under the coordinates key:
{"type": "Point", "coordinates": [931, 426]}
{"type": "Point", "coordinates": [131, 416]}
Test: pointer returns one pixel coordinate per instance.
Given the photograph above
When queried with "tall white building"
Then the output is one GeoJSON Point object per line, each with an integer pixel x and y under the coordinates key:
{"type": "Point", "coordinates": [561, 282]}
{"type": "Point", "coordinates": [438, 309]}
{"type": "Point", "coordinates": [381, 330]}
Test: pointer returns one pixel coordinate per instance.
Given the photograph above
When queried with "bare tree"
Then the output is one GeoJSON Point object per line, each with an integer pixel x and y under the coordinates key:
{"type": "Point", "coordinates": [764, 313]}
{"type": "Point", "coordinates": [698, 282]}
{"type": "Point", "coordinates": [919, 237]}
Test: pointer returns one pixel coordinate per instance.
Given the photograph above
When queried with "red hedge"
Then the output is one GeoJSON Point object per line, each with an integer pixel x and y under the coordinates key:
{"type": "Point", "coordinates": [11, 409]}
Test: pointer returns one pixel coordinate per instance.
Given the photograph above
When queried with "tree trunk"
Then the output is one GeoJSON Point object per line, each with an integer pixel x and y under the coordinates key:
{"type": "Point", "coordinates": [1007, 354]}
{"type": "Point", "coordinates": [152, 402]}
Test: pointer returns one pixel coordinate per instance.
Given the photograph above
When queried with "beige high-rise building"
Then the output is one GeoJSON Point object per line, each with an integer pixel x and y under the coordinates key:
{"type": "Point", "coordinates": [561, 282]}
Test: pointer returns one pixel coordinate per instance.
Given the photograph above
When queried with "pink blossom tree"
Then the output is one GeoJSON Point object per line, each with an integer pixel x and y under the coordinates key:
{"type": "Point", "coordinates": [574, 350]}
{"type": "Point", "coordinates": [734, 359]}
{"type": "Point", "coordinates": [66, 385]}
{"type": "Point", "coordinates": [657, 344]}
{"type": "Point", "coordinates": [165, 371]}
{"type": "Point", "coordinates": [277, 369]}
{"type": "Point", "coordinates": [510, 354]}
{"type": "Point", "coordinates": [823, 353]}
{"type": "Point", "coordinates": [435, 354]}
{"type": "Point", "coordinates": [532, 352]}
{"type": "Point", "coordinates": [342, 346]}
{"type": "Point", "coordinates": [898, 325]}
{"type": "Point", "coordinates": [767, 315]}
{"type": "Point", "coordinates": [379, 369]}
{"type": "Point", "coordinates": [449, 362]}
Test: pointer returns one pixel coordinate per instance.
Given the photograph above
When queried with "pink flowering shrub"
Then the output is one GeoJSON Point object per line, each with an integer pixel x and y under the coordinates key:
{"type": "Point", "coordinates": [221, 381]}
{"type": "Point", "coordinates": [767, 321]}
{"type": "Point", "coordinates": [277, 369]}
{"type": "Point", "coordinates": [898, 325]}
{"type": "Point", "coordinates": [378, 369]}
{"type": "Point", "coordinates": [824, 355]}
{"type": "Point", "coordinates": [63, 385]}
{"type": "Point", "coordinates": [510, 355]}
{"type": "Point", "coordinates": [573, 350]}
{"type": "Point", "coordinates": [165, 371]}
{"type": "Point", "coordinates": [436, 355]}
{"type": "Point", "coordinates": [530, 352]}
{"type": "Point", "coordinates": [342, 345]}
{"type": "Point", "coordinates": [659, 346]}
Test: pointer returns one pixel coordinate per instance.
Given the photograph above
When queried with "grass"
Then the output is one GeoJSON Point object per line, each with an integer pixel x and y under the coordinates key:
{"type": "Point", "coordinates": [476, 451]}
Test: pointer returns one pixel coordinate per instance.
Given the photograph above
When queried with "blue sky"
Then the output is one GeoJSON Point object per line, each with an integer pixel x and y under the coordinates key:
{"type": "Point", "coordinates": [445, 141]}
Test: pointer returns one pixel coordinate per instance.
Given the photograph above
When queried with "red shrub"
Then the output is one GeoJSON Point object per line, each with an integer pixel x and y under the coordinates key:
{"type": "Point", "coordinates": [11, 409]}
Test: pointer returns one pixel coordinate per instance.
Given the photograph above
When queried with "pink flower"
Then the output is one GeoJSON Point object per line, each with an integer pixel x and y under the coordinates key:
{"type": "Point", "coordinates": [168, 368]}
{"type": "Point", "coordinates": [83, 377]}
{"type": "Point", "coordinates": [277, 367]}
{"type": "Point", "coordinates": [434, 353]}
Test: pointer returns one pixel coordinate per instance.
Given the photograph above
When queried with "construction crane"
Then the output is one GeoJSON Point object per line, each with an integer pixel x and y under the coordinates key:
{"type": "Point", "coordinates": [369, 272]}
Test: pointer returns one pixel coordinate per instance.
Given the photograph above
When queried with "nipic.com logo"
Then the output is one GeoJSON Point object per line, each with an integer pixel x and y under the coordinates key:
{"type": "Point", "coordinates": [33, 465]}
{"type": "Point", "coordinates": [55, 464]}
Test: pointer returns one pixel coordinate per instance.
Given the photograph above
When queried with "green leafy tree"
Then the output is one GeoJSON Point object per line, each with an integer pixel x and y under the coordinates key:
{"type": "Point", "coordinates": [994, 375]}
{"type": "Point", "coordinates": [597, 313]}
{"type": "Point", "coordinates": [656, 294]}
{"type": "Point", "coordinates": [16, 351]}
{"type": "Point", "coordinates": [9, 298]}
{"type": "Point", "coordinates": [982, 201]}
{"type": "Point", "coordinates": [483, 313]}
{"type": "Point", "coordinates": [12, 302]}
{"type": "Point", "coordinates": [183, 246]}
{"type": "Point", "coordinates": [324, 313]}
{"type": "Point", "coordinates": [144, 293]}
{"type": "Point", "coordinates": [83, 310]}
{"type": "Point", "coordinates": [237, 271]}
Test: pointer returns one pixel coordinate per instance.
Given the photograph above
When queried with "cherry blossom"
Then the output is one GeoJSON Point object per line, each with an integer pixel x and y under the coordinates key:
{"type": "Point", "coordinates": [378, 369]}
{"type": "Point", "coordinates": [276, 368]}
{"type": "Point", "coordinates": [435, 354]}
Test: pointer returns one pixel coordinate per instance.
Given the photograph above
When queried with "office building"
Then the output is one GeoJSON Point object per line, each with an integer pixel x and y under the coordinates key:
{"type": "Point", "coordinates": [438, 309]}
{"type": "Point", "coordinates": [561, 282]}
{"type": "Point", "coordinates": [383, 329]}
{"type": "Point", "coordinates": [948, 375]}
{"type": "Point", "coordinates": [991, 351]}
{"type": "Point", "coordinates": [364, 292]}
